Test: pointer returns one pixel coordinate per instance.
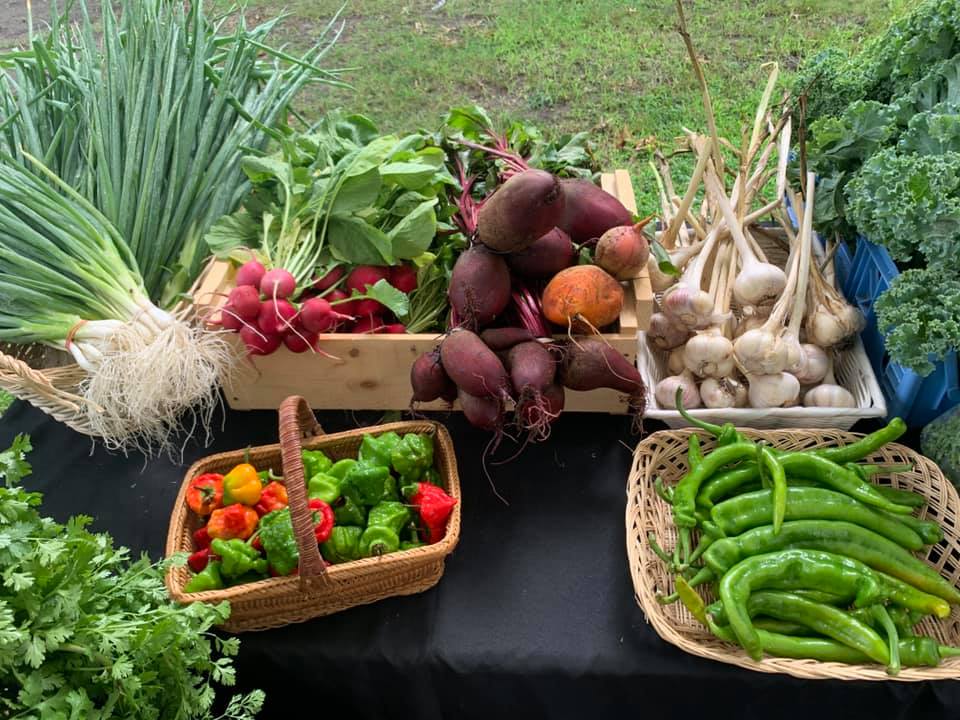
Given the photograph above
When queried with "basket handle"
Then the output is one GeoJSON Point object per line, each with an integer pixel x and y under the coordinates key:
{"type": "Point", "coordinates": [296, 422]}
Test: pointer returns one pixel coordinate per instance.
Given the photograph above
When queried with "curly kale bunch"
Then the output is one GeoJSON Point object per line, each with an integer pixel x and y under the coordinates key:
{"type": "Point", "coordinates": [87, 633]}
{"type": "Point", "coordinates": [920, 315]}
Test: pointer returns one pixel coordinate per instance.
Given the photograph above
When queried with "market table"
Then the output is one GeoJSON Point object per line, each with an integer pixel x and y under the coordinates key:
{"type": "Point", "coordinates": [535, 613]}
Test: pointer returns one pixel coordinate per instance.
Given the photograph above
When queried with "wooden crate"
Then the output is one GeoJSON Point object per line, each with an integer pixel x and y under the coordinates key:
{"type": "Point", "coordinates": [372, 372]}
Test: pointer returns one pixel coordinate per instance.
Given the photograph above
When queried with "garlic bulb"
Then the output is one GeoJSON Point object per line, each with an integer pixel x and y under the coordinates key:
{"type": "Point", "coordinates": [675, 363]}
{"type": "Point", "coordinates": [777, 390]}
{"type": "Point", "coordinates": [761, 352]}
{"type": "Point", "coordinates": [664, 333]}
{"type": "Point", "coordinates": [689, 306]}
{"type": "Point", "coordinates": [814, 364]}
{"type": "Point", "coordinates": [709, 354]}
{"type": "Point", "coordinates": [829, 396]}
{"type": "Point", "coordinates": [666, 391]}
{"type": "Point", "coordinates": [723, 392]}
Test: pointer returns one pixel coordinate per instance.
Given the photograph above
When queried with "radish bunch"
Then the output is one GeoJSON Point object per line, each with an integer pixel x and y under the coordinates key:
{"type": "Point", "coordinates": [268, 310]}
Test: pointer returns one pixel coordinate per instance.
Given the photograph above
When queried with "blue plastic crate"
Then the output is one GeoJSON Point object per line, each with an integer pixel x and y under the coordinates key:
{"type": "Point", "coordinates": [918, 400]}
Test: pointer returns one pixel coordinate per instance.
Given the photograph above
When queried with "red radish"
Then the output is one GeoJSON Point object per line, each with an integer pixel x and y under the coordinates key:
{"type": "Point", "coordinates": [368, 307]}
{"type": "Point", "coordinates": [623, 251]}
{"type": "Point", "coordinates": [368, 324]}
{"type": "Point", "coordinates": [277, 283]}
{"type": "Point", "coordinates": [485, 413]}
{"type": "Point", "coordinates": [250, 273]}
{"type": "Point", "coordinates": [505, 338]}
{"type": "Point", "coordinates": [395, 329]}
{"type": "Point", "coordinates": [245, 300]}
{"type": "Point", "coordinates": [523, 209]}
{"type": "Point", "coordinates": [546, 257]}
{"type": "Point", "coordinates": [299, 341]}
{"type": "Point", "coordinates": [479, 286]}
{"type": "Point", "coordinates": [329, 279]}
{"type": "Point", "coordinates": [230, 319]}
{"type": "Point", "coordinates": [317, 315]}
{"type": "Point", "coordinates": [532, 370]}
{"type": "Point", "coordinates": [257, 341]}
{"type": "Point", "coordinates": [364, 275]}
{"type": "Point", "coordinates": [275, 316]}
{"type": "Point", "coordinates": [473, 366]}
{"type": "Point", "coordinates": [334, 297]}
{"type": "Point", "coordinates": [589, 211]}
{"type": "Point", "coordinates": [404, 278]}
{"type": "Point", "coordinates": [590, 363]}
{"type": "Point", "coordinates": [428, 378]}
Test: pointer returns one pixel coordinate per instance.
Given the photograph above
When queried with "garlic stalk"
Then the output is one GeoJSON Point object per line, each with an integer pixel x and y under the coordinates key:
{"type": "Point", "coordinates": [791, 337]}
{"type": "Point", "coordinates": [680, 256]}
{"type": "Point", "coordinates": [710, 353]}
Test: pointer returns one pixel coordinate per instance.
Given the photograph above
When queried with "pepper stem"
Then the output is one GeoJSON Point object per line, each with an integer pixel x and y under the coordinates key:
{"type": "Point", "coordinates": [948, 651]}
{"type": "Point", "coordinates": [714, 430]}
{"type": "Point", "coordinates": [665, 493]}
{"type": "Point", "coordinates": [893, 638]}
{"type": "Point", "coordinates": [659, 551]}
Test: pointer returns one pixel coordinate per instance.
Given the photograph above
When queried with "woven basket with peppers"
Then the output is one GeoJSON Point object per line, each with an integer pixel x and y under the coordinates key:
{"type": "Point", "coordinates": [386, 499]}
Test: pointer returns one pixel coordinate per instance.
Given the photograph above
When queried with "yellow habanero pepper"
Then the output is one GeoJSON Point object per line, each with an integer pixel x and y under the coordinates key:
{"type": "Point", "coordinates": [242, 485]}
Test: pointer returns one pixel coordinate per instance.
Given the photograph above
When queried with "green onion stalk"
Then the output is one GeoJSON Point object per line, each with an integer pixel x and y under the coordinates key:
{"type": "Point", "coordinates": [120, 145]}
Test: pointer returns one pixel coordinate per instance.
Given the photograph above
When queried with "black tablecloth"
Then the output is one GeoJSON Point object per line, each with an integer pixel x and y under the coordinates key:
{"type": "Point", "coordinates": [535, 614]}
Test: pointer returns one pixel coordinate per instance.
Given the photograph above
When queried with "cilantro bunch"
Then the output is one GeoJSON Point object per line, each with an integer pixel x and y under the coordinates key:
{"type": "Point", "coordinates": [86, 632]}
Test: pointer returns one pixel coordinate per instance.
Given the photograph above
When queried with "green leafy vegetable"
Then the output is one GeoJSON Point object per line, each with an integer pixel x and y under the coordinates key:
{"type": "Point", "coordinates": [919, 315]}
{"type": "Point", "coordinates": [87, 633]}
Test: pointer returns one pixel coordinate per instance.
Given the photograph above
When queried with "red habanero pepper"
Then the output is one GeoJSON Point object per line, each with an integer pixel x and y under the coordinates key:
{"type": "Point", "coordinates": [273, 497]}
{"type": "Point", "coordinates": [198, 561]}
{"type": "Point", "coordinates": [435, 507]}
{"type": "Point", "coordinates": [201, 538]}
{"type": "Point", "coordinates": [233, 521]}
{"type": "Point", "coordinates": [205, 493]}
{"type": "Point", "coordinates": [323, 518]}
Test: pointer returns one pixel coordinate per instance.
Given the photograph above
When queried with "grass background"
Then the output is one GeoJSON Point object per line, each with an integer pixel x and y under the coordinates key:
{"type": "Point", "coordinates": [618, 69]}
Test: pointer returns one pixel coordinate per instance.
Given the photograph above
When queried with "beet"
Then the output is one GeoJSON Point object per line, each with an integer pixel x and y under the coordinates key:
{"type": "Point", "coordinates": [505, 338]}
{"type": "Point", "coordinates": [428, 378]}
{"type": "Point", "coordinates": [536, 417]}
{"type": "Point", "coordinates": [589, 211]}
{"type": "Point", "coordinates": [479, 286]}
{"type": "Point", "coordinates": [485, 413]}
{"type": "Point", "coordinates": [531, 367]}
{"type": "Point", "coordinates": [523, 209]}
{"type": "Point", "coordinates": [590, 363]}
{"type": "Point", "coordinates": [473, 366]}
{"type": "Point", "coordinates": [550, 254]}
{"type": "Point", "coordinates": [623, 251]}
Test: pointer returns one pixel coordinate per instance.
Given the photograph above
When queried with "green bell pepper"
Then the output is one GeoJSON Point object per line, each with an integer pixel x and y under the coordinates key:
{"type": "Point", "coordinates": [208, 579]}
{"type": "Point", "coordinates": [324, 486]}
{"type": "Point", "coordinates": [315, 461]}
{"type": "Point", "coordinates": [276, 535]}
{"type": "Point", "coordinates": [378, 540]}
{"type": "Point", "coordinates": [341, 468]}
{"type": "Point", "coordinates": [412, 457]}
{"type": "Point", "coordinates": [374, 483]}
{"type": "Point", "coordinates": [389, 514]}
{"type": "Point", "coordinates": [378, 451]}
{"type": "Point", "coordinates": [343, 545]}
{"type": "Point", "coordinates": [250, 577]}
{"type": "Point", "coordinates": [237, 558]}
{"type": "Point", "coordinates": [410, 545]}
{"type": "Point", "coordinates": [350, 513]}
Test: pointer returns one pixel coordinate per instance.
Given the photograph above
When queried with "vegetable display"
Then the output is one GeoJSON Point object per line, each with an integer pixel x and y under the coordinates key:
{"type": "Point", "coordinates": [885, 143]}
{"type": "Point", "coordinates": [120, 144]}
{"type": "Point", "coordinates": [385, 500]}
{"type": "Point", "coordinates": [817, 563]}
{"type": "Point", "coordinates": [86, 631]}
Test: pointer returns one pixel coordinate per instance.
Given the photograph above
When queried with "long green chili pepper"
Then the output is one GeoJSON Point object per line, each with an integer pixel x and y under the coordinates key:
{"type": "Point", "coordinates": [833, 536]}
{"type": "Point", "coordinates": [893, 638]}
{"type": "Point", "coordinates": [685, 494]}
{"type": "Point", "coordinates": [838, 478]}
{"type": "Point", "coordinates": [901, 593]}
{"type": "Point", "coordinates": [693, 602]}
{"type": "Point", "coordinates": [750, 510]}
{"type": "Point", "coordinates": [725, 483]}
{"type": "Point", "coordinates": [914, 652]}
{"type": "Point", "coordinates": [694, 453]}
{"type": "Point", "coordinates": [703, 575]}
{"type": "Point", "coordinates": [787, 570]}
{"type": "Point", "coordinates": [930, 532]}
{"type": "Point", "coordinates": [902, 497]}
{"type": "Point", "coordinates": [779, 479]}
{"type": "Point", "coordinates": [725, 434]}
{"type": "Point", "coordinates": [865, 445]}
{"type": "Point", "coordinates": [903, 619]}
{"type": "Point", "coordinates": [820, 596]}
{"type": "Point", "coordinates": [770, 624]}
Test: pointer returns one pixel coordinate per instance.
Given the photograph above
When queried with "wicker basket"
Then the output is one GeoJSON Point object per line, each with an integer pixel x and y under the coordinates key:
{"type": "Point", "coordinates": [852, 368]}
{"type": "Point", "coordinates": [664, 454]}
{"type": "Point", "coordinates": [316, 590]}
